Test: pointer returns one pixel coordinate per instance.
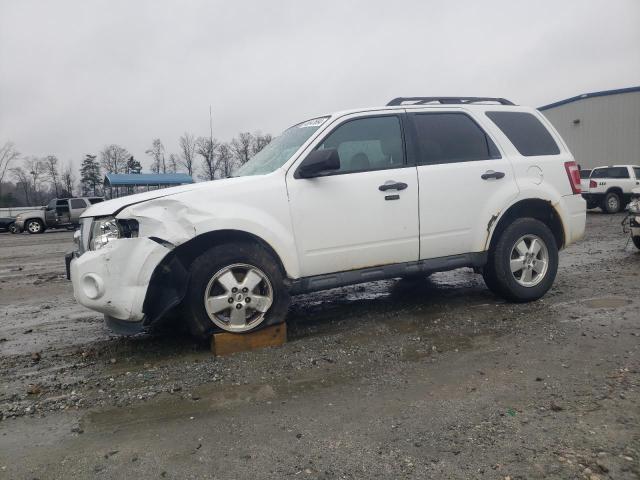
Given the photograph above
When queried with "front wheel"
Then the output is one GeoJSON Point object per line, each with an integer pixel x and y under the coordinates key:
{"type": "Point", "coordinates": [524, 261]}
{"type": "Point", "coordinates": [13, 228]}
{"type": "Point", "coordinates": [236, 288]}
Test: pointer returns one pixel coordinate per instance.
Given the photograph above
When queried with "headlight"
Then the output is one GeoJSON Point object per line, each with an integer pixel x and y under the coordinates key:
{"type": "Point", "coordinates": [108, 229]}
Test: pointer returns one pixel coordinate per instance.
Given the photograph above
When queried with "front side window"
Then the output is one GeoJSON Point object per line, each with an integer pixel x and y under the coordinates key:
{"type": "Point", "coordinates": [77, 203]}
{"type": "Point", "coordinates": [373, 143]}
{"type": "Point", "coordinates": [530, 137]}
{"type": "Point", "coordinates": [452, 138]}
{"type": "Point", "coordinates": [280, 149]}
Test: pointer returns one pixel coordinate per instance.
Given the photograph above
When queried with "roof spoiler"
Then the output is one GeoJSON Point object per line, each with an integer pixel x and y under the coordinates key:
{"type": "Point", "coordinates": [447, 100]}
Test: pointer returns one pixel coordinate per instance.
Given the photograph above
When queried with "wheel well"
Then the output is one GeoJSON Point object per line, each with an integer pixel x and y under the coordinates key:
{"type": "Point", "coordinates": [617, 190]}
{"type": "Point", "coordinates": [168, 283]}
{"type": "Point", "coordinates": [534, 208]}
{"type": "Point", "coordinates": [189, 251]}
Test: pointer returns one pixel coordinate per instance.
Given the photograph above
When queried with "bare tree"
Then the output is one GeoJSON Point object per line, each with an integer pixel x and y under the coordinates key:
{"type": "Point", "coordinates": [23, 181]}
{"type": "Point", "coordinates": [173, 163]}
{"type": "Point", "coordinates": [157, 153]}
{"type": "Point", "coordinates": [36, 168]}
{"type": "Point", "coordinates": [206, 148]}
{"type": "Point", "coordinates": [187, 152]}
{"type": "Point", "coordinates": [241, 147]}
{"type": "Point", "coordinates": [260, 141]}
{"type": "Point", "coordinates": [8, 154]}
{"type": "Point", "coordinates": [51, 169]}
{"type": "Point", "coordinates": [68, 180]}
{"type": "Point", "coordinates": [225, 161]}
{"type": "Point", "coordinates": [113, 158]}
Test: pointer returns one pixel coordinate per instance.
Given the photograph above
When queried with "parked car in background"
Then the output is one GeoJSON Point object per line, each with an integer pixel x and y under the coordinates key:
{"type": "Point", "coordinates": [610, 187]}
{"type": "Point", "coordinates": [341, 199]}
{"type": "Point", "coordinates": [59, 213]}
{"type": "Point", "coordinates": [8, 224]}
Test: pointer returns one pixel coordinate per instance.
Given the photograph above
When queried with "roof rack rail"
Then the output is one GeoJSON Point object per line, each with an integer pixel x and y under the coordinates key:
{"type": "Point", "coordinates": [447, 100]}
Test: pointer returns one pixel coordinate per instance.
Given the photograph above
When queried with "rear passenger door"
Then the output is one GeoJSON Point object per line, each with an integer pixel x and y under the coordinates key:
{"type": "Point", "coordinates": [463, 179]}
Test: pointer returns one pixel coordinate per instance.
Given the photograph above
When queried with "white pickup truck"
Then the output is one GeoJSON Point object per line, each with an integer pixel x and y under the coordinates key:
{"type": "Point", "coordinates": [610, 187]}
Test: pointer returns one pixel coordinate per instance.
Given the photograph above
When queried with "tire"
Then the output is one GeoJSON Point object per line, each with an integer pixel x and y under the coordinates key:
{"type": "Point", "coordinates": [612, 203]}
{"type": "Point", "coordinates": [34, 226]}
{"type": "Point", "coordinates": [636, 241]}
{"type": "Point", "coordinates": [531, 284]}
{"type": "Point", "coordinates": [13, 229]}
{"type": "Point", "coordinates": [237, 258]}
{"type": "Point", "coordinates": [591, 204]}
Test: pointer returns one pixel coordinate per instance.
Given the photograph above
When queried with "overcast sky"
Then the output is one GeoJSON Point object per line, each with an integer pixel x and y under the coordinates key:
{"type": "Point", "coordinates": [77, 75]}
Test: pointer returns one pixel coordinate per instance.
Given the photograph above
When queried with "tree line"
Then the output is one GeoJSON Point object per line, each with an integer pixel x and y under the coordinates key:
{"type": "Point", "coordinates": [30, 180]}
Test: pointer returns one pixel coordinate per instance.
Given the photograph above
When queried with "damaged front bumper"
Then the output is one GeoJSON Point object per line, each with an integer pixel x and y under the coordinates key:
{"type": "Point", "coordinates": [115, 279]}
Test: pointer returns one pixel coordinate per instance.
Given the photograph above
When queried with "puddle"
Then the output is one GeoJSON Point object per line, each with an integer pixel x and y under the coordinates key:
{"type": "Point", "coordinates": [607, 302]}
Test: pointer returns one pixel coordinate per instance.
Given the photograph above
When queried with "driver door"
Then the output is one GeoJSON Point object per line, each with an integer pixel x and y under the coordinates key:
{"type": "Point", "coordinates": [366, 213]}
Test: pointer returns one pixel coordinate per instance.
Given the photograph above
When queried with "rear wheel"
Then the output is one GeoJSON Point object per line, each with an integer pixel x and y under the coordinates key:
{"type": "Point", "coordinates": [13, 228]}
{"type": "Point", "coordinates": [636, 241]}
{"type": "Point", "coordinates": [34, 226]}
{"type": "Point", "coordinates": [235, 288]}
{"type": "Point", "coordinates": [591, 204]}
{"type": "Point", "coordinates": [523, 263]}
{"type": "Point", "coordinates": [612, 203]}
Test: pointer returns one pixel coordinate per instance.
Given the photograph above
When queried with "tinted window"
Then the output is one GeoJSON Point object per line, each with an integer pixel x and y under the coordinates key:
{"type": "Point", "coordinates": [373, 143]}
{"type": "Point", "coordinates": [62, 203]}
{"type": "Point", "coordinates": [95, 200]}
{"type": "Point", "coordinates": [450, 138]}
{"type": "Point", "coordinates": [610, 172]}
{"type": "Point", "coordinates": [636, 171]}
{"type": "Point", "coordinates": [526, 132]}
{"type": "Point", "coordinates": [584, 174]}
{"type": "Point", "coordinates": [78, 203]}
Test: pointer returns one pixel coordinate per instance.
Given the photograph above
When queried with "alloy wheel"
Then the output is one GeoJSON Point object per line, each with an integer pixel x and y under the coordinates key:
{"type": "Point", "coordinates": [529, 260]}
{"type": "Point", "coordinates": [238, 297]}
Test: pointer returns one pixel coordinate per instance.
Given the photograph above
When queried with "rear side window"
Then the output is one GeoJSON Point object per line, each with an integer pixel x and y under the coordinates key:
{"type": "Point", "coordinates": [526, 132]}
{"type": "Point", "coordinates": [636, 170]}
{"type": "Point", "coordinates": [451, 138]}
{"type": "Point", "coordinates": [611, 172]}
{"type": "Point", "coordinates": [78, 203]}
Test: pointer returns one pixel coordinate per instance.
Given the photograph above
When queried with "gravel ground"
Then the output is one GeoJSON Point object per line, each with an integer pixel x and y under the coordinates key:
{"type": "Point", "coordinates": [394, 379]}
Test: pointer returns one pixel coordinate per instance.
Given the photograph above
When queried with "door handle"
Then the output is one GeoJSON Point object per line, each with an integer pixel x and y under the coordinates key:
{"type": "Point", "coordinates": [491, 174]}
{"type": "Point", "coordinates": [392, 185]}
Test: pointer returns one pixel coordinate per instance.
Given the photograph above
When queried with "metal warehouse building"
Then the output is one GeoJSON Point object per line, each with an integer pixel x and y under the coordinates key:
{"type": "Point", "coordinates": [600, 128]}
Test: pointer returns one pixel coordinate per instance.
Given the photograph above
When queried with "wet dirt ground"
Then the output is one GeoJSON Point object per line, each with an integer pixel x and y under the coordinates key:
{"type": "Point", "coordinates": [395, 379]}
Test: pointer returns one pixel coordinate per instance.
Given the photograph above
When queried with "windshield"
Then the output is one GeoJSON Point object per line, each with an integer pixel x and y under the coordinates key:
{"type": "Point", "coordinates": [281, 148]}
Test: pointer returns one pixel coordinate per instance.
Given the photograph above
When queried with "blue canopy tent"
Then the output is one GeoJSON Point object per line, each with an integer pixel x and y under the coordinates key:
{"type": "Point", "coordinates": [121, 184]}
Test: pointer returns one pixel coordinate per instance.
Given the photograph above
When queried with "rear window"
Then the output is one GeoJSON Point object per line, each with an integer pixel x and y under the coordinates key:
{"type": "Point", "coordinates": [78, 203]}
{"type": "Point", "coordinates": [636, 170]}
{"type": "Point", "coordinates": [95, 200]}
{"type": "Point", "coordinates": [452, 138]}
{"type": "Point", "coordinates": [526, 132]}
{"type": "Point", "coordinates": [610, 172]}
{"type": "Point", "coordinates": [584, 174]}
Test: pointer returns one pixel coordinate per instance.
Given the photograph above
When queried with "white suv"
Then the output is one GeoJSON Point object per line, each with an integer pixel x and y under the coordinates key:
{"type": "Point", "coordinates": [422, 185]}
{"type": "Point", "coordinates": [610, 187]}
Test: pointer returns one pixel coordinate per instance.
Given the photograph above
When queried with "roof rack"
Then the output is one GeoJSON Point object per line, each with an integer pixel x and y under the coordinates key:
{"type": "Point", "coordinates": [447, 100]}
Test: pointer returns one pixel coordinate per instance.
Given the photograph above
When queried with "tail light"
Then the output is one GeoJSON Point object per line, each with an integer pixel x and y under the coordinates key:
{"type": "Point", "coordinates": [574, 176]}
{"type": "Point", "coordinates": [593, 184]}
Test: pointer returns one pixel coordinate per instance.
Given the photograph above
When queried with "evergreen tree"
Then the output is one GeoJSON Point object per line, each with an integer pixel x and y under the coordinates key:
{"type": "Point", "coordinates": [132, 166]}
{"type": "Point", "coordinates": [90, 175]}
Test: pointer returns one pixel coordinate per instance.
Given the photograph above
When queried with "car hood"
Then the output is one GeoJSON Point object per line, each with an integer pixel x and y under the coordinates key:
{"type": "Point", "coordinates": [111, 207]}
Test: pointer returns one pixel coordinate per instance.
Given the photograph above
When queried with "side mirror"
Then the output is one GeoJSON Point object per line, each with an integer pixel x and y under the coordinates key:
{"type": "Point", "coordinates": [319, 162]}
